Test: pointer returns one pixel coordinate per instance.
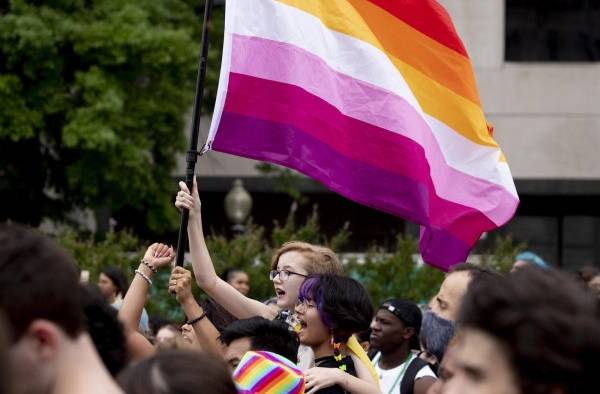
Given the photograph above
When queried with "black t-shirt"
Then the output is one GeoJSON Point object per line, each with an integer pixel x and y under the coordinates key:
{"type": "Point", "coordinates": [329, 362]}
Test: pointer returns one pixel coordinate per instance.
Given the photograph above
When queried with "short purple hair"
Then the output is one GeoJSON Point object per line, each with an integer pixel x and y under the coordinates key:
{"type": "Point", "coordinates": [310, 290]}
{"type": "Point", "coordinates": [343, 304]}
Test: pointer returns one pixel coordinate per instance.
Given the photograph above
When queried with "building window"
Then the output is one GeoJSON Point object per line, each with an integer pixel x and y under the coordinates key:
{"type": "Point", "coordinates": [552, 30]}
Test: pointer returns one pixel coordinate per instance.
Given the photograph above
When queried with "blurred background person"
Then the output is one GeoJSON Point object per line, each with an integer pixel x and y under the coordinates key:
{"type": "Point", "coordinates": [178, 372]}
{"type": "Point", "coordinates": [528, 259]}
{"type": "Point", "coordinates": [594, 285]}
{"type": "Point", "coordinates": [238, 279]}
{"type": "Point", "coordinates": [113, 285]}
{"type": "Point", "coordinates": [5, 370]}
{"type": "Point", "coordinates": [50, 348]}
{"type": "Point", "coordinates": [104, 327]}
{"type": "Point", "coordinates": [169, 336]}
{"type": "Point", "coordinates": [535, 331]}
{"type": "Point", "coordinates": [589, 277]}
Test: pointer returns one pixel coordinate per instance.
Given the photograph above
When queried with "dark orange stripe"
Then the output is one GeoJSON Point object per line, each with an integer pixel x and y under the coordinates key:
{"type": "Point", "coordinates": [427, 16]}
{"type": "Point", "coordinates": [418, 50]}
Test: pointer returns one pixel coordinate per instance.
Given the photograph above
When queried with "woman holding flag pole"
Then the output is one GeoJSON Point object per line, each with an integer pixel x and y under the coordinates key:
{"type": "Point", "coordinates": [291, 264]}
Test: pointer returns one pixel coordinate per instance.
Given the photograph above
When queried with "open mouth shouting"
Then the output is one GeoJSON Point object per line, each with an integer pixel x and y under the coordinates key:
{"type": "Point", "coordinates": [279, 292]}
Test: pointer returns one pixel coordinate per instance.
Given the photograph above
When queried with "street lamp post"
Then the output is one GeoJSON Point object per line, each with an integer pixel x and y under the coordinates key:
{"type": "Point", "coordinates": [238, 204]}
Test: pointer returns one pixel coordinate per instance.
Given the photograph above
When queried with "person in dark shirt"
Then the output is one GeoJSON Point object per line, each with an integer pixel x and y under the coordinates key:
{"type": "Point", "coordinates": [330, 310]}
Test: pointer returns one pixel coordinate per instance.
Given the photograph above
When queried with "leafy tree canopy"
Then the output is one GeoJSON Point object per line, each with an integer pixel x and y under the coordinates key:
{"type": "Point", "coordinates": [93, 96]}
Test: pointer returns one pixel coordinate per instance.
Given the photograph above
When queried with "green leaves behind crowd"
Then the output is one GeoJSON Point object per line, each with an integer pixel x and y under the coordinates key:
{"type": "Point", "coordinates": [93, 98]}
{"type": "Point", "coordinates": [385, 273]}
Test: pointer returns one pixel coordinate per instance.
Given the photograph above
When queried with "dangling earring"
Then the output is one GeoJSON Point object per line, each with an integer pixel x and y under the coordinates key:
{"type": "Point", "coordinates": [337, 354]}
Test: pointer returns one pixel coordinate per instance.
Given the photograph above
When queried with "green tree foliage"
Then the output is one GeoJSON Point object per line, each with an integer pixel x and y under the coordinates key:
{"type": "Point", "coordinates": [501, 255]}
{"type": "Point", "coordinates": [121, 249]}
{"type": "Point", "coordinates": [250, 251]}
{"type": "Point", "coordinates": [92, 102]}
{"type": "Point", "coordinates": [385, 274]}
{"type": "Point", "coordinates": [124, 250]}
{"type": "Point", "coordinates": [396, 274]}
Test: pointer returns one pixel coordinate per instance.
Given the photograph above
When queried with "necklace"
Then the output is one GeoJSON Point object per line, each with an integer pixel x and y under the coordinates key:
{"type": "Point", "coordinates": [401, 374]}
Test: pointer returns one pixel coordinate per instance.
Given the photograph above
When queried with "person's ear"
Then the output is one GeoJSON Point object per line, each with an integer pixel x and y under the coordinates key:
{"type": "Point", "coordinates": [43, 339]}
{"type": "Point", "coordinates": [408, 332]}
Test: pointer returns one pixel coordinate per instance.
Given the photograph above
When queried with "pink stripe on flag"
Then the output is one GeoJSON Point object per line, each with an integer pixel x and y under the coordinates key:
{"type": "Point", "coordinates": [288, 145]}
{"type": "Point", "coordinates": [281, 62]}
{"type": "Point", "coordinates": [356, 140]}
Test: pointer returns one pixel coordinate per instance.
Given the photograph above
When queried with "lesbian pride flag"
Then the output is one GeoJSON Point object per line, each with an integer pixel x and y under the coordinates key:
{"type": "Point", "coordinates": [375, 99]}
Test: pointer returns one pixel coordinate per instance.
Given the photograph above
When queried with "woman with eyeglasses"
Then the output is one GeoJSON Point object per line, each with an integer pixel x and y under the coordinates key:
{"type": "Point", "coordinates": [290, 265]}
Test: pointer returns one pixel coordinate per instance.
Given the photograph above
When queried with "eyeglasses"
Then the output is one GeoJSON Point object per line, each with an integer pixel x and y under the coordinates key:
{"type": "Point", "coordinates": [284, 274]}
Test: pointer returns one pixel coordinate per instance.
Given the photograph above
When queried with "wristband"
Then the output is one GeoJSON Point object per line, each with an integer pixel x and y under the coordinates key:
{"type": "Point", "coordinates": [148, 280]}
{"type": "Point", "coordinates": [147, 264]}
{"type": "Point", "coordinates": [196, 320]}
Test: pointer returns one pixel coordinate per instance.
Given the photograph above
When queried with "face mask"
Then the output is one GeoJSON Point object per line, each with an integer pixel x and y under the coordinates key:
{"type": "Point", "coordinates": [436, 333]}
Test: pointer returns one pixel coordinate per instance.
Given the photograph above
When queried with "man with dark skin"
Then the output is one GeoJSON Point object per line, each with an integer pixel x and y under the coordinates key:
{"type": "Point", "coordinates": [394, 332]}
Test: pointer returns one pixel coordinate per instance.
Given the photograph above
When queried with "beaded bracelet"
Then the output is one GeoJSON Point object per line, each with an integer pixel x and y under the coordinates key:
{"type": "Point", "coordinates": [196, 320]}
{"type": "Point", "coordinates": [147, 264]}
{"type": "Point", "coordinates": [148, 280]}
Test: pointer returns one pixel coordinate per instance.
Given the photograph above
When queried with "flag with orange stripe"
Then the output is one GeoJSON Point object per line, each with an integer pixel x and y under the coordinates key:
{"type": "Point", "coordinates": [377, 100]}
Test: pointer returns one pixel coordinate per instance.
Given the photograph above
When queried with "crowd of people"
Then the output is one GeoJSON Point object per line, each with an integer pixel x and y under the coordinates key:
{"type": "Point", "coordinates": [534, 330]}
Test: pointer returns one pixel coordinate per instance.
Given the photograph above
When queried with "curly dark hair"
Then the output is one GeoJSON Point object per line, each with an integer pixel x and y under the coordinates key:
{"type": "Point", "coordinates": [548, 325]}
{"type": "Point", "coordinates": [343, 303]}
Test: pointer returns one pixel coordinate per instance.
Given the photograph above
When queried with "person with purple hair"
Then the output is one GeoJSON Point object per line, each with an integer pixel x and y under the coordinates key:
{"type": "Point", "coordinates": [290, 265]}
{"type": "Point", "coordinates": [330, 310]}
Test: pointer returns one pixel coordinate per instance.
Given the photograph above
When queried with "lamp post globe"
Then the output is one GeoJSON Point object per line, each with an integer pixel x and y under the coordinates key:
{"type": "Point", "coordinates": [238, 204]}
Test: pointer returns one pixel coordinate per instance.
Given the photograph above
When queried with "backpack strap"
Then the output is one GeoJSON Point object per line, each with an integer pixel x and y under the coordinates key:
{"type": "Point", "coordinates": [408, 380]}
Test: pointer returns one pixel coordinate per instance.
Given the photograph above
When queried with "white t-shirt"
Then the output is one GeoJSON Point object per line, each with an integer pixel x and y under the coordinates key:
{"type": "Point", "coordinates": [390, 379]}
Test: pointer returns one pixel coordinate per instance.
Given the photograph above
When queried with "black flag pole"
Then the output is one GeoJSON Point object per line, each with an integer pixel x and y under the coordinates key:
{"type": "Point", "coordinates": [192, 153]}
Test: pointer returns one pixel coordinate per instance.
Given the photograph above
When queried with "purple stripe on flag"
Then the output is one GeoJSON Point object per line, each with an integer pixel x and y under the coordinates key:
{"type": "Point", "coordinates": [290, 65]}
{"type": "Point", "coordinates": [288, 145]}
{"type": "Point", "coordinates": [359, 142]}
{"type": "Point", "coordinates": [279, 359]}
{"type": "Point", "coordinates": [267, 379]}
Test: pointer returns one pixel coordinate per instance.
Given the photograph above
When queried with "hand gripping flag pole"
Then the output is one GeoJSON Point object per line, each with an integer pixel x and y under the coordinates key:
{"type": "Point", "coordinates": [192, 153]}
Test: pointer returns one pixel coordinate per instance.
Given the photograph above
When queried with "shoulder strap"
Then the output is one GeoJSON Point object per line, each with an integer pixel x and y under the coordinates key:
{"type": "Point", "coordinates": [408, 380]}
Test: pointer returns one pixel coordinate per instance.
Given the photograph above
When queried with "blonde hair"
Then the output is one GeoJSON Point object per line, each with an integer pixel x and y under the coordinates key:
{"type": "Point", "coordinates": [319, 259]}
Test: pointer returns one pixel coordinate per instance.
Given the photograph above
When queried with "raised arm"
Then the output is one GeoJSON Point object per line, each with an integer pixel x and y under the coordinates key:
{"type": "Point", "coordinates": [222, 292]}
{"type": "Point", "coordinates": [156, 257]}
{"type": "Point", "coordinates": [206, 333]}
